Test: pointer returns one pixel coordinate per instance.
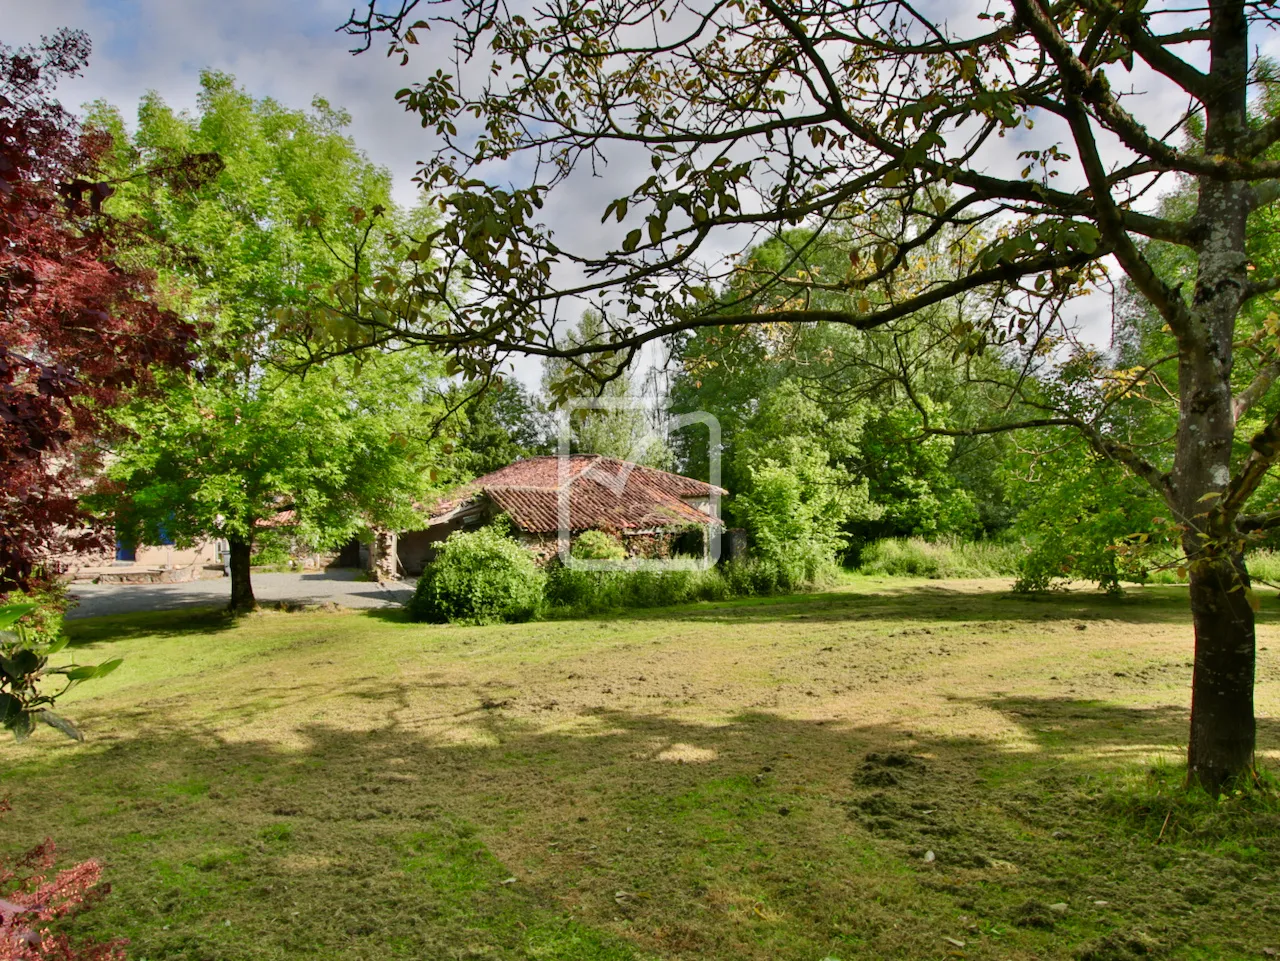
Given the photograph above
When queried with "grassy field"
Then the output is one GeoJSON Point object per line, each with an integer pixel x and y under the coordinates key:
{"type": "Point", "coordinates": [895, 769]}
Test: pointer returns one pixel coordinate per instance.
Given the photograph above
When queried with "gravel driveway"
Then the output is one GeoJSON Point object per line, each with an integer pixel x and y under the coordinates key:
{"type": "Point", "coordinates": [334, 587]}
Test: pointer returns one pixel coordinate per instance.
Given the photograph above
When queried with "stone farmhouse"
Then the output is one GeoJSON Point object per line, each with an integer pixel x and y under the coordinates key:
{"type": "Point", "coordinates": [655, 513]}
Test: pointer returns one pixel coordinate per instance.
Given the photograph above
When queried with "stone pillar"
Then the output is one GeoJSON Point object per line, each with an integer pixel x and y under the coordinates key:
{"type": "Point", "coordinates": [382, 556]}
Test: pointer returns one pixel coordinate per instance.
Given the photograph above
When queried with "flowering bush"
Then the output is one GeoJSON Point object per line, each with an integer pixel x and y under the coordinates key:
{"type": "Point", "coordinates": [32, 898]}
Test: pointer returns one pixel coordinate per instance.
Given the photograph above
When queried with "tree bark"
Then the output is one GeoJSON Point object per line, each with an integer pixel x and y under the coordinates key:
{"type": "Point", "coordinates": [1222, 723]}
{"type": "Point", "coordinates": [242, 598]}
{"type": "Point", "coordinates": [1221, 744]}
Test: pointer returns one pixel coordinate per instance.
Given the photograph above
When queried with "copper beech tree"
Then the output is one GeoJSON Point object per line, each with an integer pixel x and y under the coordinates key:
{"type": "Point", "coordinates": [78, 329]}
{"type": "Point", "coordinates": [1029, 140]}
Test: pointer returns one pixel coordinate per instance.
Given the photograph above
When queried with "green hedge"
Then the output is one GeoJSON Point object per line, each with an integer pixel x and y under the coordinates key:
{"type": "Point", "coordinates": [486, 576]}
{"type": "Point", "coordinates": [571, 591]}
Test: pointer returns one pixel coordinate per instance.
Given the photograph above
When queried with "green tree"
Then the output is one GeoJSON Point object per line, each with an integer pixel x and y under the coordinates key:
{"type": "Point", "coordinates": [344, 449]}
{"type": "Point", "coordinates": [768, 113]}
{"type": "Point", "coordinates": [1086, 518]}
{"type": "Point", "coordinates": [795, 511]}
{"type": "Point", "coordinates": [851, 395]}
{"type": "Point", "coordinates": [292, 211]}
{"type": "Point", "coordinates": [503, 423]}
{"type": "Point", "coordinates": [297, 211]}
{"type": "Point", "coordinates": [620, 427]}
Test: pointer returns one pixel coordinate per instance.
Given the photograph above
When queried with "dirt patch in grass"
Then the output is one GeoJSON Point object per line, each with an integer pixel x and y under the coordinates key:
{"type": "Point", "coordinates": [889, 771]}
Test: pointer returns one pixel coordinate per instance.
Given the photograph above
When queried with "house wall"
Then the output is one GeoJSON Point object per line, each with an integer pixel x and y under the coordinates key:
{"type": "Point", "coordinates": [700, 503]}
{"type": "Point", "coordinates": [651, 546]}
{"type": "Point", "coordinates": [417, 548]}
{"type": "Point", "coordinates": [145, 556]}
{"type": "Point", "coordinates": [543, 546]}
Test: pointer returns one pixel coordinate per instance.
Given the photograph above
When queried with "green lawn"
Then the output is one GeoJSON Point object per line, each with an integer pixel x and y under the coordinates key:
{"type": "Point", "coordinates": [892, 770]}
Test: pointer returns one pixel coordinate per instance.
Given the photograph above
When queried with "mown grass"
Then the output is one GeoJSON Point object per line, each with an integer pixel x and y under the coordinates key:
{"type": "Point", "coordinates": [745, 780]}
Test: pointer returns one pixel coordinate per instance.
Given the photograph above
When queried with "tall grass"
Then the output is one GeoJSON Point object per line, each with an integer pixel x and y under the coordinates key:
{"type": "Point", "coordinates": [944, 557]}
{"type": "Point", "coordinates": [952, 557]}
{"type": "Point", "coordinates": [1263, 565]}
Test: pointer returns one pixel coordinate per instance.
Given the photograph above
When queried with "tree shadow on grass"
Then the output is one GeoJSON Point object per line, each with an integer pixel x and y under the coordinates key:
{"type": "Point", "coordinates": [605, 833]}
{"type": "Point", "coordinates": [936, 603]}
{"type": "Point", "coordinates": [1102, 733]}
{"type": "Point", "coordinates": [196, 621]}
{"type": "Point", "coordinates": [388, 615]}
{"type": "Point", "coordinates": [182, 622]}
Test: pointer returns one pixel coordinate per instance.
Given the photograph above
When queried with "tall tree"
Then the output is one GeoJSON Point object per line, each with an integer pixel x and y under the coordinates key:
{"type": "Point", "coordinates": [296, 207]}
{"type": "Point", "coordinates": [296, 210]}
{"type": "Point", "coordinates": [503, 423]}
{"type": "Point", "coordinates": [848, 394]}
{"type": "Point", "coordinates": [79, 329]}
{"type": "Point", "coordinates": [344, 449]}
{"type": "Point", "coordinates": [605, 410]}
{"type": "Point", "coordinates": [762, 113]}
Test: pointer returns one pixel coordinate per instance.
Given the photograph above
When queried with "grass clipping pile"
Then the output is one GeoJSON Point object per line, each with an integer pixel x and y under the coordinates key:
{"type": "Point", "coordinates": [1175, 862]}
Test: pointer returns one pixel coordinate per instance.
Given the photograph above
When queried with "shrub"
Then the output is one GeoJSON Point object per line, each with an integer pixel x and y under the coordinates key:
{"type": "Point", "coordinates": [270, 550]}
{"type": "Point", "coordinates": [594, 592]}
{"type": "Point", "coordinates": [580, 590]}
{"type": "Point", "coordinates": [479, 577]}
{"type": "Point", "coordinates": [795, 514]}
{"type": "Point", "coordinates": [29, 634]}
{"type": "Point", "coordinates": [1085, 519]}
{"type": "Point", "coordinates": [598, 546]}
{"type": "Point", "coordinates": [43, 625]}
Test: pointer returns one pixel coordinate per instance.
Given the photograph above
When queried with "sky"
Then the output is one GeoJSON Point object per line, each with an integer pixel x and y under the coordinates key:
{"type": "Point", "coordinates": [290, 50]}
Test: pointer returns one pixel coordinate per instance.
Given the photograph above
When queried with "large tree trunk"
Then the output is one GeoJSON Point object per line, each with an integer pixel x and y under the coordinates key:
{"type": "Point", "coordinates": [1222, 725]}
{"type": "Point", "coordinates": [241, 587]}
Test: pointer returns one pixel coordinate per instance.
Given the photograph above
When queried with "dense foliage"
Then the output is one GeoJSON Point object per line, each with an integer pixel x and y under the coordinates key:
{"type": "Point", "coordinates": [328, 456]}
{"type": "Point", "coordinates": [245, 442]}
{"type": "Point", "coordinates": [500, 424]}
{"type": "Point", "coordinates": [480, 577]}
{"type": "Point", "coordinates": [844, 412]}
{"type": "Point", "coordinates": [79, 328]}
{"type": "Point", "coordinates": [598, 546]}
{"type": "Point", "coordinates": [572, 591]}
{"type": "Point", "coordinates": [794, 511]}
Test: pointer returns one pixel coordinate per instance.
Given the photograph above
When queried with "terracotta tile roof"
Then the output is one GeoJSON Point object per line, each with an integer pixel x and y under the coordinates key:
{"type": "Point", "coordinates": [285, 518]}
{"type": "Point", "coordinates": [604, 493]}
